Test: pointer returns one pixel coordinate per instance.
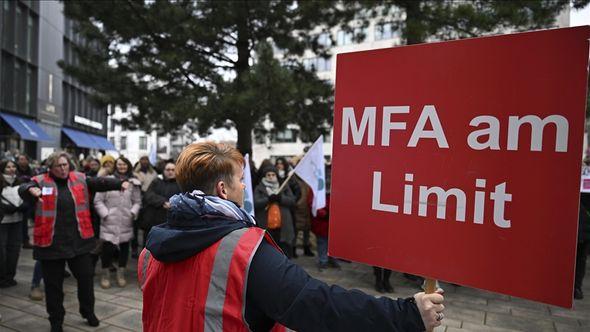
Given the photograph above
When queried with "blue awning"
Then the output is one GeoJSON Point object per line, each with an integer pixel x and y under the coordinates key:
{"type": "Point", "coordinates": [81, 139]}
{"type": "Point", "coordinates": [103, 142]}
{"type": "Point", "coordinates": [28, 129]}
{"type": "Point", "coordinates": [86, 140]}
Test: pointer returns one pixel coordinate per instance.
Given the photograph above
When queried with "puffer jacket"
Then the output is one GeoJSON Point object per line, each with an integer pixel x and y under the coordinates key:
{"type": "Point", "coordinates": [117, 211]}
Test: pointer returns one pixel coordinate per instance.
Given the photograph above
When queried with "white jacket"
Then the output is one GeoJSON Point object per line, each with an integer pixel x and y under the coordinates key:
{"type": "Point", "coordinates": [117, 209]}
{"type": "Point", "coordinates": [10, 195]}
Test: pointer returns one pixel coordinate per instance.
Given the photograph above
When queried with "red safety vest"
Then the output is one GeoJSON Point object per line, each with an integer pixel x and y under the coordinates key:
{"type": "Point", "coordinates": [46, 211]}
{"type": "Point", "coordinates": [204, 293]}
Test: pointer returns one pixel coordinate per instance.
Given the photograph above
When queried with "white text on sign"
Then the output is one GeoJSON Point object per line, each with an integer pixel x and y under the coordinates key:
{"type": "Point", "coordinates": [487, 137]}
{"type": "Point", "coordinates": [499, 196]}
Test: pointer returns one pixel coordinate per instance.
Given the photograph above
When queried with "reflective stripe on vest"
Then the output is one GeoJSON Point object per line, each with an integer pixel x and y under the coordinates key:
{"type": "Point", "coordinates": [218, 283]}
{"type": "Point", "coordinates": [143, 260]}
{"type": "Point", "coordinates": [223, 309]}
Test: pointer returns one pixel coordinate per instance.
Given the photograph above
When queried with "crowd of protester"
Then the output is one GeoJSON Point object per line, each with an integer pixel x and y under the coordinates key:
{"type": "Point", "coordinates": [93, 209]}
{"type": "Point", "coordinates": [81, 211]}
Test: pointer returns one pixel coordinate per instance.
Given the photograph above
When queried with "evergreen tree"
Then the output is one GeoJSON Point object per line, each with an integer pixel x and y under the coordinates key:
{"type": "Point", "coordinates": [210, 60]}
{"type": "Point", "coordinates": [424, 20]}
{"type": "Point", "coordinates": [214, 60]}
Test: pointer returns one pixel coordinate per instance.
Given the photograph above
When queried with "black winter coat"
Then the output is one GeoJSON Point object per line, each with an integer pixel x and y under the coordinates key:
{"type": "Point", "coordinates": [584, 220]}
{"type": "Point", "coordinates": [157, 194]}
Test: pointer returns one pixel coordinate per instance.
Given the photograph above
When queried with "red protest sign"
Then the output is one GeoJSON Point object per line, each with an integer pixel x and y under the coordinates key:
{"type": "Point", "coordinates": [460, 161]}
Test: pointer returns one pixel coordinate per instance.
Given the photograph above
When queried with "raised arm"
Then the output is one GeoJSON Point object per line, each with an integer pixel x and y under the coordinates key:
{"type": "Point", "coordinates": [103, 183]}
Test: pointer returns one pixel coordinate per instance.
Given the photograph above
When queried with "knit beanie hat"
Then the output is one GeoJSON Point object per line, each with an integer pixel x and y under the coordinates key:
{"type": "Point", "coordinates": [269, 168]}
{"type": "Point", "coordinates": [105, 158]}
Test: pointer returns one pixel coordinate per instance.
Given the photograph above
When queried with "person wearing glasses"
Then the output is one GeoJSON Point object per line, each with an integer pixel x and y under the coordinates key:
{"type": "Point", "coordinates": [63, 232]}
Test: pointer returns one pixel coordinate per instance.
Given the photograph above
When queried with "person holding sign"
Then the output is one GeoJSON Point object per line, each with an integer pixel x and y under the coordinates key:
{"type": "Point", "coordinates": [211, 254]}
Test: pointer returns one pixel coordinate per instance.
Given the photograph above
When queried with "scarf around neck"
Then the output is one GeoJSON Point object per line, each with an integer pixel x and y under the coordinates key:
{"type": "Point", "coordinates": [271, 187]}
{"type": "Point", "coordinates": [214, 207]}
{"type": "Point", "coordinates": [9, 178]}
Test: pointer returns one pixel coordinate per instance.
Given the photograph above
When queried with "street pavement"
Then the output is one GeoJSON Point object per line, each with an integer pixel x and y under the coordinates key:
{"type": "Point", "coordinates": [467, 309]}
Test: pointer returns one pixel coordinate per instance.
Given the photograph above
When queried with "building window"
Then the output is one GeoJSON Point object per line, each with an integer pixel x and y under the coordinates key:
{"type": "Point", "coordinates": [385, 31]}
{"type": "Point", "coordinates": [21, 32]}
{"type": "Point", "coordinates": [7, 95]}
{"type": "Point", "coordinates": [8, 25]}
{"type": "Point", "coordinates": [318, 64]}
{"type": "Point", "coordinates": [67, 51]}
{"type": "Point", "coordinates": [28, 85]}
{"type": "Point", "coordinates": [20, 86]}
{"type": "Point", "coordinates": [347, 38]}
{"type": "Point", "coordinates": [143, 142]}
{"type": "Point", "coordinates": [66, 100]}
{"type": "Point", "coordinates": [324, 39]}
{"type": "Point", "coordinates": [259, 136]}
{"type": "Point", "coordinates": [123, 143]}
{"type": "Point", "coordinates": [285, 136]}
{"type": "Point", "coordinates": [19, 15]}
{"type": "Point", "coordinates": [343, 38]}
{"type": "Point", "coordinates": [50, 88]}
{"type": "Point", "coordinates": [30, 38]}
{"type": "Point", "coordinates": [77, 110]}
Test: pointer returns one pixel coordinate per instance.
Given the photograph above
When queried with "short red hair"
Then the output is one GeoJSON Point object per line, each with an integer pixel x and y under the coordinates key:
{"type": "Point", "coordinates": [201, 166]}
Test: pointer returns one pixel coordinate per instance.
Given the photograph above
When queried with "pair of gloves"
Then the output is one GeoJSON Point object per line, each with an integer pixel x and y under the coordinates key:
{"type": "Point", "coordinates": [274, 198]}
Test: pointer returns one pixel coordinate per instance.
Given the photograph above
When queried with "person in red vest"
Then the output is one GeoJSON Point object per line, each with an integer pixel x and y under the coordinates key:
{"type": "Point", "coordinates": [210, 268]}
{"type": "Point", "coordinates": [63, 232]}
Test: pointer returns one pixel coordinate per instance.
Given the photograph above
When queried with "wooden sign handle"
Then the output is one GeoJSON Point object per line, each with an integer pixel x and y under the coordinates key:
{"type": "Point", "coordinates": [429, 288]}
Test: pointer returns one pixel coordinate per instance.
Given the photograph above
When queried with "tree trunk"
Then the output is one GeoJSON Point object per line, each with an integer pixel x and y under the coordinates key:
{"type": "Point", "coordinates": [244, 144]}
{"type": "Point", "coordinates": [415, 29]}
{"type": "Point", "coordinates": [243, 117]}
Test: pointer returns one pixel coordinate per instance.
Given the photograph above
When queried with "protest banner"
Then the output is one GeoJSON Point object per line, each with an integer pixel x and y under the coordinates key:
{"type": "Point", "coordinates": [460, 160]}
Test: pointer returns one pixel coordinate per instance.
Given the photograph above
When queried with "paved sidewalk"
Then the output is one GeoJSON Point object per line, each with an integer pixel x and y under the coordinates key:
{"type": "Point", "coordinates": [119, 309]}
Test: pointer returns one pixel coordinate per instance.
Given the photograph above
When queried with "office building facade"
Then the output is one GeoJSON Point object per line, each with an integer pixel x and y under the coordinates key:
{"type": "Point", "coordinates": [41, 109]}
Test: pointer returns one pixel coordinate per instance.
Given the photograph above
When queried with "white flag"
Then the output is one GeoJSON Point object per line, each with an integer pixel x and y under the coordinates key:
{"type": "Point", "coordinates": [248, 192]}
{"type": "Point", "coordinates": [312, 170]}
{"type": "Point", "coordinates": [153, 156]}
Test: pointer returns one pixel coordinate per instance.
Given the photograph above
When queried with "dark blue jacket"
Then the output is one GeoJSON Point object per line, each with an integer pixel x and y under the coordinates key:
{"type": "Point", "coordinates": [279, 290]}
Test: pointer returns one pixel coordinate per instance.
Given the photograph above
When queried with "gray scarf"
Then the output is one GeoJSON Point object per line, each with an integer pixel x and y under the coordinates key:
{"type": "Point", "coordinates": [271, 187]}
